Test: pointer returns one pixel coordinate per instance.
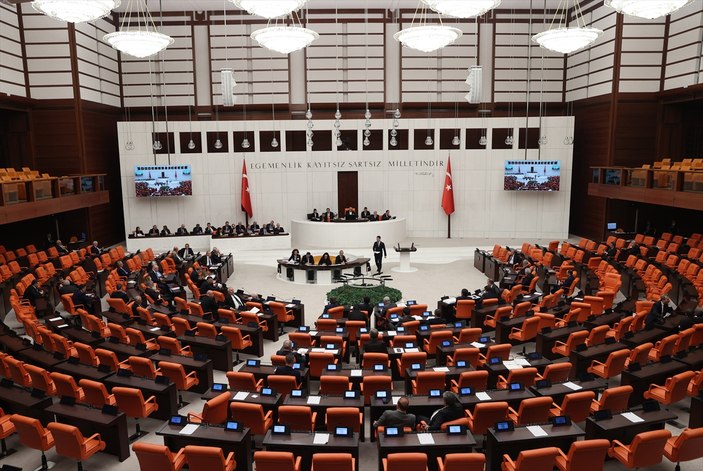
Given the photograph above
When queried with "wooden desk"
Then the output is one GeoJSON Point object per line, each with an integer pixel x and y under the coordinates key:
{"type": "Point", "coordinates": [12, 343]}
{"type": "Point", "coordinates": [620, 428]}
{"type": "Point", "coordinates": [302, 445]}
{"type": "Point", "coordinates": [644, 336]}
{"type": "Point", "coordinates": [695, 418]}
{"type": "Point", "coordinates": [479, 260]}
{"type": "Point", "coordinates": [40, 358]}
{"type": "Point", "coordinates": [491, 268]}
{"type": "Point", "coordinates": [20, 401]}
{"type": "Point", "coordinates": [557, 391]}
{"type": "Point", "coordinates": [356, 375]}
{"type": "Point", "coordinates": [124, 351]}
{"type": "Point", "coordinates": [513, 398]}
{"type": "Point", "coordinates": [443, 444]}
{"type": "Point", "coordinates": [546, 341]}
{"type": "Point", "coordinates": [580, 361]}
{"type": "Point", "coordinates": [112, 428]}
{"type": "Point", "coordinates": [263, 371]}
{"type": "Point", "coordinates": [166, 394]}
{"type": "Point", "coordinates": [512, 443]}
{"type": "Point", "coordinates": [504, 328]}
{"type": "Point", "coordinates": [220, 352]}
{"type": "Point", "coordinates": [693, 359]}
{"type": "Point", "coordinates": [452, 374]}
{"type": "Point", "coordinates": [203, 369]}
{"type": "Point", "coordinates": [444, 352]}
{"type": "Point", "coordinates": [604, 319]}
{"type": "Point", "coordinates": [269, 403]}
{"type": "Point", "coordinates": [240, 443]}
{"type": "Point", "coordinates": [652, 373]}
{"type": "Point", "coordinates": [80, 371]}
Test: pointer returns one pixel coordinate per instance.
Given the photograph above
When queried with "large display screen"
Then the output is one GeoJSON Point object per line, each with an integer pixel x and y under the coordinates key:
{"type": "Point", "coordinates": [532, 175]}
{"type": "Point", "coordinates": [163, 180]}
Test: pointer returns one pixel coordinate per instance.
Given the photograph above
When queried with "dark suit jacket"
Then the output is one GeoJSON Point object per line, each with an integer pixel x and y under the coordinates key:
{"type": "Point", "coordinates": [186, 253]}
{"type": "Point", "coordinates": [94, 250]}
{"type": "Point", "coordinates": [122, 271]}
{"type": "Point", "coordinates": [494, 292]}
{"type": "Point", "coordinates": [656, 314]}
{"type": "Point", "coordinates": [375, 347]}
{"type": "Point", "coordinates": [154, 276]}
{"type": "Point", "coordinates": [197, 230]}
{"type": "Point", "coordinates": [120, 295]}
{"type": "Point", "coordinates": [32, 294]}
{"type": "Point", "coordinates": [208, 304]}
{"type": "Point", "coordinates": [356, 315]}
{"type": "Point", "coordinates": [233, 303]}
{"type": "Point", "coordinates": [181, 231]}
{"type": "Point", "coordinates": [396, 418]}
{"type": "Point", "coordinates": [445, 414]}
{"type": "Point", "coordinates": [240, 229]}
{"type": "Point", "coordinates": [307, 259]}
{"type": "Point", "coordinates": [288, 371]}
{"type": "Point", "coordinates": [339, 259]}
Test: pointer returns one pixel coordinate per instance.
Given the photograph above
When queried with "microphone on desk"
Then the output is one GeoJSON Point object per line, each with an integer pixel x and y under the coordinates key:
{"type": "Point", "coordinates": [412, 246]}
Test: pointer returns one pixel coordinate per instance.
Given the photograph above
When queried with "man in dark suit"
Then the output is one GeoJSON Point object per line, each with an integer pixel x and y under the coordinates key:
{"type": "Point", "coordinates": [379, 253]}
{"type": "Point", "coordinates": [491, 291]}
{"type": "Point", "coordinates": [516, 258]}
{"type": "Point", "coordinates": [527, 278]}
{"type": "Point", "coordinates": [154, 273]}
{"type": "Point", "coordinates": [254, 228]}
{"type": "Point", "coordinates": [61, 249]}
{"type": "Point", "coordinates": [288, 370]}
{"type": "Point", "coordinates": [406, 317]}
{"type": "Point", "coordinates": [387, 215]}
{"type": "Point", "coordinates": [568, 281]}
{"type": "Point", "coordinates": [328, 215]}
{"type": "Point", "coordinates": [207, 260]}
{"type": "Point", "coordinates": [226, 229]}
{"type": "Point", "coordinates": [154, 231]}
{"type": "Point", "coordinates": [208, 303]}
{"type": "Point", "coordinates": [365, 305]}
{"type": "Point", "coordinates": [355, 314]}
{"type": "Point", "coordinates": [121, 270]}
{"type": "Point", "coordinates": [452, 410]}
{"type": "Point", "coordinates": [659, 312]}
{"type": "Point", "coordinates": [181, 231]}
{"type": "Point", "coordinates": [232, 300]}
{"type": "Point", "coordinates": [119, 293]}
{"type": "Point", "coordinates": [270, 228]}
{"type": "Point", "coordinates": [374, 345]}
{"type": "Point", "coordinates": [34, 293]}
{"type": "Point", "coordinates": [240, 229]}
{"type": "Point", "coordinates": [333, 303]}
{"type": "Point", "coordinates": [314, 216]}
{"type": "Point", "coordinates": [374, 216]}
{"type": "Point", "coordinates": [307, 259]}
{"type": "Point", "coordinates": [165, 231]}
{"type": "Point", "coordinates": [94, 249]}
{"type": "Point", "coordinates": [398, 417]}
{"type": "Point", "coordinates": [209, 229]}
{"type": "Point", "coordinates": [177, 259]}
{"type": "Point", "coordinates": [216, 255]}
{"type": "Point", "coordinates": [340, 258]}
{"type": "Point", "coordinates": [198, 229]}
{"type": "Point", "coordinates": [186, 253]}
{"type": "Point", "coordinates": [365, 214]}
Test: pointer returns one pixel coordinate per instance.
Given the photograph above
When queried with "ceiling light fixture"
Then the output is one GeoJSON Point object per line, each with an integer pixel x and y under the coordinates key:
{"type": "Point", "coordinates": [284, 39]}
{"type": "Point", "coordinates": [564, 39]}
{"type": "Point", "coordinates": [75, 11]}
{"type": "Point", "coordinates": [648, 9]}
{"type": "Point", "coordinates": [270, 8]}
{"type": "Point", "coordinates": [425, 37]}
{"type": "Point", "coordinates": [462, 8]}
{"type": "Point", "coordinates": [140, 40]}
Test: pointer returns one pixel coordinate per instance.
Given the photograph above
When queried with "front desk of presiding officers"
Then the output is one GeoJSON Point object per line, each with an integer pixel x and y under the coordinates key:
{"type": "Point", "coordinates": [227, 230]}
{"type": "Point", "coordinates": [349, 214]}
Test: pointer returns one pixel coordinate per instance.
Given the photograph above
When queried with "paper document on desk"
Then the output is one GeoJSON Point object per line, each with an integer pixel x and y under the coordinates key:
{"type": "Point", "coordinates": [289, 306]}
{"type": "Point", "coordinates": [321, 438]}
{"type": "Point", "coordinates": [477, 344]}
{"type": "Point", "coordinates": [396, 399]}
{"type": "Point", "coordinates": [356, 373]}
{"type": "Point", "coordinates": [189, 429]}
{"type": "Point", "coordinates": [632, 417]}
{"type": "Point", "coordinates": [240, 396]}
{"type": "Point", "coordinates": [522, 361]}
{"type": "Point", "coordinates": [314, 400]}
{"type": "Point", "coordinates": [154, 328]}
{"type": "Point", "coordinates": [417, 318]}
{"type": "Point", "coordinates": [401, 305]}
{"type": "Point", "coordinates": [441, 369]}
{"type": "Point", "coordinates": [449, 301]}
{"type": "Point", "coordinates": [391, 333]}
{"type": "Point", "coordinates": [482, 396]}
{"type": "Point", "coordinates": [303, 351]}
{"type": "Point", "coordinates": [511, 365]}
{"type": "Point", "coordinates": [254, 310]}
{"type": "Point", "coordinates": [537, 431]}
{"type": "Point", "coordinates": [425, 438]}
{"type": "Point", "coordinates": [313, 333]}
{"type": "Point", "coordinates": [62, 326]}
{"type": "Point", "coordinates": [412, 350]}
{"type": "Point", "coordinates": [54, 319]}
{"type": "Point", "coordinates": [573, 386]}
{"type": "Point", "coordinates": [318, 350]}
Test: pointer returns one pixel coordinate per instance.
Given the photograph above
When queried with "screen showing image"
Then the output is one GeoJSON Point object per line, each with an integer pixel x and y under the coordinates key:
{"type": "Point", "coordinates": [532, 175]}
{"type": "Point", "coordinates": [164, 180]}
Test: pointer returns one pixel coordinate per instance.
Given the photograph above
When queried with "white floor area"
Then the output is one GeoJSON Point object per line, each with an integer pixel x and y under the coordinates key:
{"type": "Point", "coordinates": [444, 268]}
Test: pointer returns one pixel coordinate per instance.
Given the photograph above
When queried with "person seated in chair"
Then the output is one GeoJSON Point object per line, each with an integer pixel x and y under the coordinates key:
{"type": "Point", "coordinates": [232, 300]}
{"type": "Point", "coordinates": [138, 232]}
{"type": "Point", "coordinates": [153, 232]}
{"type": "Point", "coordinates": [34, 293]}
{"type": "Point", "coordinates": [155, 273]}
{"type": "Point", "coordinates": [95, 249]}
{"type": "Point", "coordinates": [374, 345]}
{"type": "Point", "coordinates": [216, 255]}
{"type": "Point", "coordinates": [452, 410]}
{"type": "Point", "coordinates": [254, 228]}
{"type": "Point", "coordinates": [374, 216]}
{"type": "Point", "coordinates": [340, 258]}
{"type": "Point", "coordinates": [387, 215]}
{"type": "Point", "coordinates": [278, 229]}
{"type": "Point", "coordinates": [62, 249]}
{"type": "Point", "coordinates": [287, 349]}
{"type": "Point", "coordinates": [491, 291]}
{"type": "Point", "coordinates": [660, 311]}
{"type": "Point", "coordinates": [165, 231]}
{"type": "Point", "coordinates": [181, 231]}
{"type": "Point", "coordinates": [398, 417]}
{"type": "Point", "coordinates": [227, 229]}
{"type": "Point", "coordinates": [406, 317]}
{"type": "Point", "coordinates": [270, 228]}
{"type": "Point", "coordinates": [177, 259]}
{"type": "Point", "coordinates": [186, 253]}
{"type": "Point", "coordinates": [325, 259]}
{"type": "Point", "coordinates": [527, 278]}
{"type": "Point", "coordinates": [315, 216]}
{"type": "Point", "coordinates": [287, 369]}
{"type": "Point", "coordinates": [328, 215]}
{"type": "Point", "coordinates": [208, 303]}
{"type": "Point", "coordinates": [332, 303]}
{"type": "Point", "coordinates": [209, 229]}
{"type": "Point", "coordinates": [240, 229]}
{"type": "Point", "coordinates": [355, 314]}
{"type": "Point", "coordinates": [294, 256]}
{"type": "Point", "coordinates": [365, 214]}
{"type": "Point", "coordinates": [308, 259]}
{"type": "Point", "coordinates": [121, 270]}
{"type": "Point", "coordinates": [568, 281]}
{"type": "Point", "coordinates": [197, 230]}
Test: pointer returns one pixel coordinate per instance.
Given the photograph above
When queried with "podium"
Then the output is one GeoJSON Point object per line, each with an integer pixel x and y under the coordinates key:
{"type": "Point", "coordinates": [404, 252]}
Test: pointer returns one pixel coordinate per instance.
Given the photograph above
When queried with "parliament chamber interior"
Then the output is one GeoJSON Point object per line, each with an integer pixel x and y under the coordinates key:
{"type": "Point", "coordinates": [351, 235]}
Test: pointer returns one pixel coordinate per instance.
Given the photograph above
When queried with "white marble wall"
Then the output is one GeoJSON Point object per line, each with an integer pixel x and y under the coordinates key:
{"type": "Point", "coordinates": [484, 209]}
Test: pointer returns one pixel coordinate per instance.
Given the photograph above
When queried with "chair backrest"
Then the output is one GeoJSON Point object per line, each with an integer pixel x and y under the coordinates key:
{"type": "Point", "coordinates": [142, 367]}
{"type": "Point", "coordinates": [68, 440]}
{"type": "Point", "coordinates": [301, 339]}
{"type": "Point", "coordinates": [677, 386]}
{"type": "Point", "coordinates": [587, 455]}
{"type": "Point", "coordinates": [298, 418]}
{"type": "Point", "coordinates": [647, 448]}
{"type": "Point", "coordinates": [465, 308]}
{"type": "Point", "coordinates": [407, 462]}
{"type": "Point", "coordinates": [175, 373]}
{"type": "Point", "coordinates": [154, 457]}
{"type": "Point", "coordinates": [242, 381]}
{"type": "Point", "coordinates": [469, 334]}
{"type": "Point", "coordinates": [524, 376]}
{"type": "Point", "coordinates": [486, 414]}
{"type": "Point", "coordinates": [530, 328]}
{"type": "Point", "coordinates": [640, 353]}
{"type": "Point", "coordinates": [274, 460]}
{"type": "Point", "coordinates": [687, 446]}
{"type": "Point", "coordinates": [557, 372]}
{"type": "Point", "coordinates": [95, 392]}
{"type": "Point", "coordinates": [469, 355]}
{"type": "Point", "coordinates": [478, 380]}
{"type": "Point", "coordinates": [501, 351]}
{"type": "Point", "coordinates": [31, 432]}
{"type": "Point", "coordinates": [534, 410]}
{"type": "Point", "coordinates": [578, 405]}
{"type": "Point", "coordinates": [334, 385]}
{"type": "Point", "coordinates": [282, 384]}
{"type": "Point", "coordinates": [41, 379]}
{"type": "Point", "coordinates": [318, 362]}
{"type": "Point", "coordinates": [427, 380]}
{"type": "Point", "coordinates": [342, 417]}
{"type": "Point", "coordinates": [615, 363]}
{"type": "Point", "coordinates": [66, 385]}
{"type": "Point", "coordinates": [408, 358]}
{"type": "Point", "coordinates": [205, 457]}
{"type": "Point", "coordinates": [373, 358]}
{"type": "Point", "coordinates": [169, 343]}
{"type": "Point", "coordinates": [371, 384]}
{"type": "Point", "coordinates": [541, 458]}
{"type": "Point", "coordinates": [615, 399]}
{"type": "Point", "coordinates": [130, 401]}
{"type": "Point", "coordinates": [333, 462]}
{"type": "Point", "coordinates": [215, 410]}
{"type": "Point", "coordinates": [107, 357]}
{"type": "Point", "coordinates": [205, 329]}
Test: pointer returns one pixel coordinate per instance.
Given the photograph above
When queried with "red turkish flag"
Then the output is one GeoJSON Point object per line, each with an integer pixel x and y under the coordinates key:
{"type": "Point", "coordinates": [448, 192]}
{"type": "Point", "coordinates": [246, 197]}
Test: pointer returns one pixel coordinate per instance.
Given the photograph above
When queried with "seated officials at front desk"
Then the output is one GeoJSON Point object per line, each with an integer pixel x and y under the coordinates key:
{"type": "Point", "coordinates": [227, 230]}
{"type": "Point", "coordinates": [349, 214]}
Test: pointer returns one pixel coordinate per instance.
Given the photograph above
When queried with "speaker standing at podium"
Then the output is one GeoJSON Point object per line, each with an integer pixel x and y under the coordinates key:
{"type": "Point", "coordinates": [379, 252]}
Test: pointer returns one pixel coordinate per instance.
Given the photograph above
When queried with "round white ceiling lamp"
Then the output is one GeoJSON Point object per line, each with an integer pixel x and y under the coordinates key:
{"type": "Point", "coordinates": [648, 9]}
{"type": "Point", "coordinates": [284, 39]}
{"type": "Point", "coordinates": [425, 37]}
{"type": "Point", "coordinates": [566, 39]}
{"type": "Point", "coordinates": [462, 8]}
{"type": "Point", "coordinates": [270, 8]}
{"type": "Point", "coordinates": [140, 39]}
{"type": "Point", "coordinates": [75, 11]}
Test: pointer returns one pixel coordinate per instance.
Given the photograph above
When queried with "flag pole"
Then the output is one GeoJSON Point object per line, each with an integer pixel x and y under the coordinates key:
{"type": "Point", "coordinates": [449, 226]}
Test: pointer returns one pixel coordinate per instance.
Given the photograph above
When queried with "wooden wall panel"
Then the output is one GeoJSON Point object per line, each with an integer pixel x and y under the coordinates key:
{"type": "Point", "coordinates": [591, 147]}
{"type": "Point", "coordinates": [56, 137]}
{"type": "Point", "coordinates": [635, 130]}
